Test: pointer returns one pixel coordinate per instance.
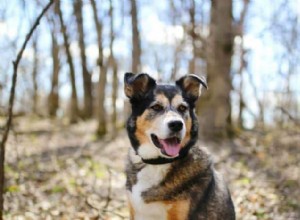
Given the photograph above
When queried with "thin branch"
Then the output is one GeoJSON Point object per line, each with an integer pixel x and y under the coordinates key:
{"type": "Point", "coordinates": [11, 103]}
{"type": "Point", "coordinates": [286, 112]}
{"type": "Point", "coordinates": [108, 198]}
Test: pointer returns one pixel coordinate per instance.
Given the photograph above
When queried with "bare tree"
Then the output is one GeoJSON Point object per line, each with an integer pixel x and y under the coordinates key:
{"type": "Point", "coordinates": [53, 99]}
{"type": "Point", "coordinates": [101, 130]}
{"type": "Point", "coordinates": [136, 42]}
{"type": "Point", "coordinates": [114, 66]}
{"type": "Point", "coordinates": [285, 29]}
{"type": "Point", "coordinates": [74, 102]}
{"type": "Point", "coordinates": [214, 108]}
{"type": "Point", "coordinates": [87, 82]}
{"type": "Point", "coordinates": [34, 73]}
{"type": "Point", "coordinates": [11, 104]}
{"type": "Point", "coordinates": [192, 12]}
{"type": "Point", "coordinates": [175, 14]}
{"type": "Point", "coordinates": [242, 61]}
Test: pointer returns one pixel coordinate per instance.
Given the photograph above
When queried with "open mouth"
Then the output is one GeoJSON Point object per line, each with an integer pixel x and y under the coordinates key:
{"type": "Point", "coordinates": [169, 146]}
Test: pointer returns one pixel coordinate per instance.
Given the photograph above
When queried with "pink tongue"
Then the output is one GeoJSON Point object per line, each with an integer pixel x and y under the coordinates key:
{"type": "Point", "coordinates": [172, 149]}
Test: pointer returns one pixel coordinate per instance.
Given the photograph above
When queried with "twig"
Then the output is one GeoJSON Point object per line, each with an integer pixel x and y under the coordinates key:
{"type": "Point", "coordinates": [11, 103]}
{"type": "Point", "coordinates": [108, 198]}
{"type": "Point", "coordinates": [113, 212]}
{"type": "Point", "coordinates": [292, 118]}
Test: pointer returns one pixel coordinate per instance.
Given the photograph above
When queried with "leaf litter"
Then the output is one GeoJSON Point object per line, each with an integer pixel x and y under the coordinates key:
{"type": "Point", "coordinates": [60, 171]}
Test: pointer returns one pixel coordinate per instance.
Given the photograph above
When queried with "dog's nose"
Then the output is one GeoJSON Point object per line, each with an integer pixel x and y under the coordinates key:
{"type": "Point", "coordinates": [175, 125]}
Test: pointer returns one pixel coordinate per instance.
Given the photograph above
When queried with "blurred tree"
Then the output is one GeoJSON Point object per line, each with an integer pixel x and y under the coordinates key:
{"type": "Point", "coordinates": [192, 13]}
{"type": "Point", "coordinates": [74, 102]}
{"type": "Point", "coordinates": [285, 31]}
{"type": "Point", "coordinates": [87, 81]}
{"type": "Point", "coordinates": [114, 66]}
{"type": "Point", "coordinates": [34, 73]}
{"type": "Point", "coordinates": [175, 15]}
{"type": "Point", "coordinates": [215, 109]}
{"type": "Point", "coordinates": [242, 61]}
{"type": "Point", "coordinates": [53, 98]}
{"type": "Point", "coordinates": [101, 130]}
{"type": "Point", "coordinates": [136, 42]}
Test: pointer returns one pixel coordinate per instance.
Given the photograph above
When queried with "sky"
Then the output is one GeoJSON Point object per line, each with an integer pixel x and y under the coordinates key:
{"type": "Point", "coordinates": [158, 39]}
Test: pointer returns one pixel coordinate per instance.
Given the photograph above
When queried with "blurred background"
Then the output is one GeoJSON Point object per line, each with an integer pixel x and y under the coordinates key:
{"type": "Point", "coordinates": [66, 152]}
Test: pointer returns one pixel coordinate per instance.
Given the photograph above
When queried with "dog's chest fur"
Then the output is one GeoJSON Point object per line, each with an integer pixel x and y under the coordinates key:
{"type": "Point", "coordinates": [164, 191]}
{"type": "Point", "coordinates": [149, 177]}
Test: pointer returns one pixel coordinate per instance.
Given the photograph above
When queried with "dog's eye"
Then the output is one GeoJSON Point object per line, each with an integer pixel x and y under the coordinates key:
{"type": "Point", "coordinates": [157, 107]}
{"type": "Point", "coordinates": [182, 108]}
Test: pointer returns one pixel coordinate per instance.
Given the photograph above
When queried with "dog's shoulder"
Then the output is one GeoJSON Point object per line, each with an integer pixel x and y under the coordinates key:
{"type": "Point", "coordinates": [213, 200]}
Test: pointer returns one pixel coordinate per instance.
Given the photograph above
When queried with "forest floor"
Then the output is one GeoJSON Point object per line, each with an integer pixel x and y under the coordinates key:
{"type": "Point", "coordinates": [60, 171]}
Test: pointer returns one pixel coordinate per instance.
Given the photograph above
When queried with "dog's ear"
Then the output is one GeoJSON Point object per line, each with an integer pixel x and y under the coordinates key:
{"type": "Point", "coordinates": [137, 85]}
{"type": "Point", "coordinates": [191, 86]}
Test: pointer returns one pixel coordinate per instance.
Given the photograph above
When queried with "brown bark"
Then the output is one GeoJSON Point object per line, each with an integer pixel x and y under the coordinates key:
{"type": "Point", "coordinates": [136, 42]}
{"type": "Point", "coordinates": [115, 96]}
{"type": "Point", "coordinates": [87, 82]}
{"type": "Point", "coordinates": [34, 75]}
{"type": "Point", "coordinates": [214, 109]}
{"type": "Point", "coordinates": [241, 85]}
{"type": "Point", "coordinates": [101, 130]}
{"type": "Point", "coordinates": [74, 102]}
{"type": "Point", "coordinates": [192, 12]}
{"type": "Point", "coordinates": [114, 67]}
{"type": "Point", "coordinates": [53, 99]}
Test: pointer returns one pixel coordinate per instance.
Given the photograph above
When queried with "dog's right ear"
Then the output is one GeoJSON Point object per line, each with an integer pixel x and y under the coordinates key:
{"type": "Point", "coordinates": [138, 85]}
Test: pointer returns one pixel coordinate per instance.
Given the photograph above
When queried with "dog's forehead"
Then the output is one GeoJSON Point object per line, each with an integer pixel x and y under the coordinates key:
{"type": "Point", "coordinates": [168, 91]}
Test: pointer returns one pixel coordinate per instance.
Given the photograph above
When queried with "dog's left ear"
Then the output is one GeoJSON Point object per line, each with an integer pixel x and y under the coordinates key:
{"type": "Point", "coordinates": [137, 85]}
{"type": "Point", "coordinates": [191, 86]}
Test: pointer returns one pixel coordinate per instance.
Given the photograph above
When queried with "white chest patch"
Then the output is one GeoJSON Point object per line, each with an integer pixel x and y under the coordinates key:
{"type": "Point", "coordinates": [148, 177]}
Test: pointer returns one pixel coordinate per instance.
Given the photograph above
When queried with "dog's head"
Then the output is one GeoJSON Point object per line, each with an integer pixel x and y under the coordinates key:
{"type": "Point", "coordinates": [163, 123]}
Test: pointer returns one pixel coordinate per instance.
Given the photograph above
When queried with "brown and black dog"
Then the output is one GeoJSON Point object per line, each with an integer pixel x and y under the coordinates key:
{"type": "Point", "coordinates": [169, 177]}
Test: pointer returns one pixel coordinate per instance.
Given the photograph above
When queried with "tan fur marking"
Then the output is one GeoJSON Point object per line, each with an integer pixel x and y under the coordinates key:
{"type": "Point", "coordinates": [131, 211]}
{"type": "Point", "coordinates": [162, 99]}
{"type": "Point", "coordinates": [188, 124]}
{"type": "Point", "coordinates": [141, 126]}
{"type": "Point", "coordinates": [179, 210]}
{"type": "Point", "coordinates": [177, 100]}
{"type": "Point", "coordinates": [128, 91]}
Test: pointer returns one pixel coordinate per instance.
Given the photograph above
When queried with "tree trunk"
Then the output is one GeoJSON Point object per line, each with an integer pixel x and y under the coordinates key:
{"type": "Point", "coordinates": [8, 123]}
{"type": "Point", "coordinates": [53, 98]}
{"type": "Point", "coordinates": [192, 12]}
{"type": "Point", "coordinates": [242, 67]}
{"type": "Point", "coordinates": [74, 102]}
{"type": "Point", "coordinates": [136, 42]}
{"type": "Point", "coordinates": [114, 66]}
{"type": "Point", "coordinates": [101, 130]}
{"type": "Point", "coordinates": [34, 75]}
{"type": "Point", "coordinates": [214, 107]}
{"type": "Point", "coordinates": [87, 82]}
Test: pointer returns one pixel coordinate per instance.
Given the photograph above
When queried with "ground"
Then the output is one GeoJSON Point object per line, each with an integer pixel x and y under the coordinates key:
{"type": "Point", "coordinates": [60, 171]}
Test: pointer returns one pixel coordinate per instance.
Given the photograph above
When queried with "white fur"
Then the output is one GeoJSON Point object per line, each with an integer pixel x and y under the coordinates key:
{"type": "Point", "coordinates": [148, 177]}
{"type": "Point", "coordinates": [149, 151]}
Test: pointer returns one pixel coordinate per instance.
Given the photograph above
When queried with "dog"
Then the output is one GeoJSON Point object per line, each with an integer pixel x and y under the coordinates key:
{"type": "Point", "coordinates": [169, 177]}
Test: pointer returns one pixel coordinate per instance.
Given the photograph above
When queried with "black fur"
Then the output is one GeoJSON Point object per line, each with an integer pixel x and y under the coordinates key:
{"type": "Point", "coordinates": [192, 175]}
{"type": "Point", "coordinates": [141, 102]}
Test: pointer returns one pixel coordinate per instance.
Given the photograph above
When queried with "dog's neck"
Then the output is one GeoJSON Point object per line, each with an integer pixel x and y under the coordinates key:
{"type": "Point", "coordinates": [163, 160]}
